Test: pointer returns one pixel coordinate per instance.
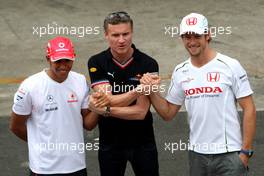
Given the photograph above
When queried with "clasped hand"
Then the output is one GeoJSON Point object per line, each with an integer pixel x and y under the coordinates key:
{"type": "Point", "coordinates": [149, 83]}
{"type": "Point", "coordinates": [98, 101]}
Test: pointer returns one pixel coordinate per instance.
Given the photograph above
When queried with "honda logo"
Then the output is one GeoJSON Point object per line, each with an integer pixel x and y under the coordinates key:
{"type": "Point", "coordinates": [191, 21]}
{"type": "Point", "coordinates": [213, 76]}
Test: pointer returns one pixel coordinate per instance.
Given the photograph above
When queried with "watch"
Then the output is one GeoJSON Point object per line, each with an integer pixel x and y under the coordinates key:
{"type": "Point", "coordinates": [248, 153]}
{"type": "Point", "coordinates": [107, 111]}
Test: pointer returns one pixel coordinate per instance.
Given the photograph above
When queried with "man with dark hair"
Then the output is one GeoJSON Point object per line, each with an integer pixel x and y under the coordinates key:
{"type": "Point", "coordinates": [49, 112]}
{"type": "Point", "coordinates": [210, 84]}
{"type": "Point", "coordinates": [126, 132]}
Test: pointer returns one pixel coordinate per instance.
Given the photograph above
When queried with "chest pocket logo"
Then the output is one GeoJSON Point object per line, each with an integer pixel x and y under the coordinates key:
{"type": "Point", "coordinates": [213, 76]}
{"type": "Point", "coordinates": [111, 74]}
{"type": "Point", "coordinates": [72, 98]}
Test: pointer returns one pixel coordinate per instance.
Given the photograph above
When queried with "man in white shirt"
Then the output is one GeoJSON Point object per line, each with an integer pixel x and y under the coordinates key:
{"type": "Point", "coordinates": [49, 112]}
{"type": "Point", "coordinates": [210, 84]}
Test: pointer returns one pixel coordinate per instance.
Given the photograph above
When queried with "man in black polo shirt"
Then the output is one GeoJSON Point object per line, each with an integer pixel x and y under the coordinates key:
{"type": "Point", "coordinates": [126, 132]}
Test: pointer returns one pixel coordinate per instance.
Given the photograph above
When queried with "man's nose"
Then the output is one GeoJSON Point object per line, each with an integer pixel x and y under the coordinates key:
{"type": "Point", "coordinates": [192, 40]}
{"type": "Point", "coordinates": [121, 39]}
{"type": "Point", "coordinates": [63, 63]}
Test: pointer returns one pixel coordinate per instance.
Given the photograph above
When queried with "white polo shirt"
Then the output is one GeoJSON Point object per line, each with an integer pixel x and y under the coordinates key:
{"type": "Point", "coordinates": [210, 94]}
{"type": "Point", "coordinates": [55, 126]}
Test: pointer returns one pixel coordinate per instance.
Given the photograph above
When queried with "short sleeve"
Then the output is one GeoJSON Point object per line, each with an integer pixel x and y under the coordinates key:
{"type": "Point", "coordinates": [240, 82]}
{"type": "Point", "coordinates": [22, 100]}
{"type": "Point", "coordinates": [153, 67]}
{"type": "Point", "coordinates": [175, 93]}
{"type": "Point", "coordinates": [86, 96]}
{"type": "Point", "coordinates": [96, 72]}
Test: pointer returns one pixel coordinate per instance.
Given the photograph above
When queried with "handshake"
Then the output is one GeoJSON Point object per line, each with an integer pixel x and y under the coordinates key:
{"type": "Point", "coordinates": [149, 83]}
{"type": "Point", "coordinates": [100, 102]}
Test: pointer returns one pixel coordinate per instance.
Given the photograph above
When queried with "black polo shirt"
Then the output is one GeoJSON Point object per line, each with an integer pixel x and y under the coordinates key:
{"type": "Point", "coordinates": [103, 68]}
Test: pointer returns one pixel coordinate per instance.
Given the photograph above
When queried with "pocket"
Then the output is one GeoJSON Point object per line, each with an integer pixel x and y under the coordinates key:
{"type": "Point", "coordinates": [241, 162]}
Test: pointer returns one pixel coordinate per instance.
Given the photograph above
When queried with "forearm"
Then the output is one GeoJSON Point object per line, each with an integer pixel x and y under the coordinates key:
{"type": "Point", "coordinates": [124, 99]}
{"type": "Point", "coordinates": [129, 113]}
{"type": "Point", "coordinates": [162, 106]}
{"type": "Point", "coordinates": [90, 120]}
{"type": "Point", "coordinates": [18, 125]}
{"type": "Point", "coordinates": [20, 132]}
{"type": "Point", "coordinates": [249, 127]}
{"type": "Point", "coordinates": [134, 112]}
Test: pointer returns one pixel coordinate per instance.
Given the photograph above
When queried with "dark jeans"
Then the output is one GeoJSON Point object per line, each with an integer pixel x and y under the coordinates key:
{"type": "Point", "coordinates": [144, 160]}
{"type": "Point", "coordinates": [78, 173]}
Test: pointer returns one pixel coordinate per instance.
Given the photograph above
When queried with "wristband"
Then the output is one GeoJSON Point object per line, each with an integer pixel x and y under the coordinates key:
{"type": "Point", "coordinates": [248, 153]}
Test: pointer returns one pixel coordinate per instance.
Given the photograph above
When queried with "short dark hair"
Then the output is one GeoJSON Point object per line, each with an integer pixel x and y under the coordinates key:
{"type": "Point", "coordinates": [117, 18]}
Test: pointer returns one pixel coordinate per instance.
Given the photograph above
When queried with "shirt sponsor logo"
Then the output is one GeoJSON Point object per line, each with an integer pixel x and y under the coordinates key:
{"type": "Point", "coordinates": [187, 80]}
{"type": "Point", "coordinates": [22, 91]}
{"type": "Point", "coordinates": [202, 90]}
{"type": "Point", "coordinates": [19, 98]}
{"type": "Point", "coordinates": [136, 78]}
{"type": "Point", "coordinates": [111, 74]}
{"type": "Point", "coordinates": [51, 109]}
{"type": "Point", "coordinates": [185, 71]}
{"type": "Point", "coordinates": [72, 98]}
{"type": "Point", "coordinates": [93, 69]}
{"type": "Point", "coordinates": [213, 76]}
{"type": "Point", "coordinates": [243, 76]}
{"type": "Point", "coordinates": [51, 104]}
{"type": "Point", "coordinates": [50, 98]}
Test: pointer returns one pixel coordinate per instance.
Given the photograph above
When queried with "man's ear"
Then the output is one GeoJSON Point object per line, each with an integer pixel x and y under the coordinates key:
{"type": "Point", "coordinates": [106, 35]}
{"type": "Point", "coordinates": [208, 36]}
{"type": "Point", "coordinates": [47, 58]}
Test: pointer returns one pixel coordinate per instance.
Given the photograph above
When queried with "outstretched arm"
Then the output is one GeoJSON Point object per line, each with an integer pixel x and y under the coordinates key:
{"type": "Point", "coordinates": [124, 99]}
{"type": "Point", "coordinates": [164, 108]}
{"type": "Point", "coordinates": [134, 112]}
